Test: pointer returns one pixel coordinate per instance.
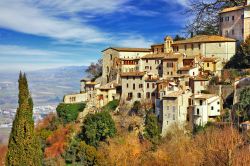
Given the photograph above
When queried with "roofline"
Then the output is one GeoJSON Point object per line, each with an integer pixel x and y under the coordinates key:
{"type": "Point", "coordinates": [114, 48]}
{"type": "Point", "coordinates": [203, 42]}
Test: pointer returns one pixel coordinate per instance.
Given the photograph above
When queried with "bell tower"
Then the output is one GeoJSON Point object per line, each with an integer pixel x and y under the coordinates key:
{"type": "Point", "coordinates": [168, 41]}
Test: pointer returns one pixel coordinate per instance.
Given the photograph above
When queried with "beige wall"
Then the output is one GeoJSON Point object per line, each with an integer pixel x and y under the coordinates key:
{"type": "Point", "coordinates": [136, 80]}
{"type": "Point", "coordinates": [169, 71]}
{"type": "Point", "coordinates": [175, 111]}
{"type": "Point", "coordinates": [75, 98]}
{"type": "Point", "coordinates": [222, 50]}
{"type": "Point", "coordinates": [108, 95]}
{"type": "Point", "coordinates": [227, 27]}
{"type": "Point", "coordinates": [246, 22]}
{"type": "Point", "coordinates": [108, 63]}
{"type": "Point", "coordinates": [153, 66]}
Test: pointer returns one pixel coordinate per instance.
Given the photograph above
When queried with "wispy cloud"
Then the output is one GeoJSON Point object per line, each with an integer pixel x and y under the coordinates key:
{"type": "Point", "coordinates": [63, 20]}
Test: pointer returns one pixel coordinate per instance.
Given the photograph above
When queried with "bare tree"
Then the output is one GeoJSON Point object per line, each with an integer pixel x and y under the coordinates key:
{"type": "Point", "coordinates": [206, 18]}
{"type": "Point", "coordinates": [95, 69]}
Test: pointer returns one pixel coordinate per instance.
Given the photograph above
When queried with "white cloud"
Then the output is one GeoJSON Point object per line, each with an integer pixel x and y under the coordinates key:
{"type": "Point", "coordinates": [184, 3]}
{"type": "Point", "coordinates": [63, 20]}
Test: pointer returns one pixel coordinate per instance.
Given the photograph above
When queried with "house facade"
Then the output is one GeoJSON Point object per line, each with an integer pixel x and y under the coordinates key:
{"type": "Point", "coordinates": [235, 22]}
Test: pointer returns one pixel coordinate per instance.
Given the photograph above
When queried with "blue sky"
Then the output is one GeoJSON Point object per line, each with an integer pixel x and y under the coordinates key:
{"type": "Point", "coordinates": [37, 34]}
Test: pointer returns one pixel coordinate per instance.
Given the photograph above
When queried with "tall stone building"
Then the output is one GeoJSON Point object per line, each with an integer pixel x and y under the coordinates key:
{"type": "Point", "coordinates": [235, 22]}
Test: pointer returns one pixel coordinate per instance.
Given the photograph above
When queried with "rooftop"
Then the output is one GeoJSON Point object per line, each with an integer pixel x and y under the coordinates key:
{"type": "Point", "coordinates": [155, 56]}
{"type": "Point", "coordinates": [174, 94]}
{"type": "Point", "coordinates": [172, 56]}
{"type": "Point", "coordinates": [209, 59]}
{"type": "Point", "coordinates": [204, 96]}
{"type": "Point", "coordinates": [205, 39]}
{"type": "Point", "coordinates": [125, 74]}
{"type": "Point", "coordinates": [186, 68]}
{"type": "Point", "coordinates": [230, 9]}
{"type": "Point", "coordinates": [199, 78]}
{"type": "Point", "coordinates": [110, 85]}
{"type": "Point", "coordinates": [126, 49]}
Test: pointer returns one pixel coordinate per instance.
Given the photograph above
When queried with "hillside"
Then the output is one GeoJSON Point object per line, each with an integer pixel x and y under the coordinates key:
{"type": "Point", "coordinates": [47, 86]}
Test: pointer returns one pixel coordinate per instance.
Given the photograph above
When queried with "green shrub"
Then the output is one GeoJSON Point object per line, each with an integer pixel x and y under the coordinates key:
{"type": "Point", "coordinates": [152, 131]}
{"type": "Point", "coordinates": [69, 112]}
{"type": "Point", "coordinates": [111, 106]}
{"type": "Point", "coordinates": [79, 153]}
{"type": "Point", "coordinates": [98, 127]}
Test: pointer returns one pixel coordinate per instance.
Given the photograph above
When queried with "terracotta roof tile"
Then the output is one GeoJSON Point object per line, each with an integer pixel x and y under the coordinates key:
{"type": "Point", "coordinates": [154, 56]}
{"type": "Point", "coordinates": [186, 68]}
{"type": "Point", "coordinates": [230, 9]}
{"type": "Point", "coordinates": [125, 74]}
{"type": "Point", "coordinates": [209, 59]}
{"type": "Point", "coordinates": [205, 39]}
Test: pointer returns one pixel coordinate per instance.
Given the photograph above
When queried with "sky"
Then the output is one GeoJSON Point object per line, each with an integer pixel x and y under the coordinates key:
{"type": "Point", "coordinates": [39, 34]}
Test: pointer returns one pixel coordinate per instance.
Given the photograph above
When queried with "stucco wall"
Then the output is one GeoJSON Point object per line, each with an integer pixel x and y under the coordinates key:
{"type": "Point", "coordinates": [75, 98]}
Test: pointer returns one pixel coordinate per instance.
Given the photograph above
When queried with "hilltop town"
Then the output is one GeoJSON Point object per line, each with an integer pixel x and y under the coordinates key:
{"type": "Point", "coordinates": [184, 81]}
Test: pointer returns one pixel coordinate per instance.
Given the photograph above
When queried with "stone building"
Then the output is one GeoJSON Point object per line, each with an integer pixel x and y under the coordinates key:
{"type": "Point", "coordinates": [171, 64]}
{"type": "Point", "coordinates": [112, 60]}
{"type": "Point", "coordinates": [175, 109]}
{"type": "Point", "coordinates": [235, 22]}
{"type": "Point", "coordinates": [208, 46]}
{"type": "Point", "coordinates": [205, 108]}
{"type": "Point", "coordinates": [132, 86]}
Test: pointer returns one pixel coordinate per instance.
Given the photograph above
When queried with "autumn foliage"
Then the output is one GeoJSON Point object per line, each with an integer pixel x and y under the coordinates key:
{"type": "Point", "coordinates": [3, 151]}
{"type": "Point", "coordinates": [58, 141]}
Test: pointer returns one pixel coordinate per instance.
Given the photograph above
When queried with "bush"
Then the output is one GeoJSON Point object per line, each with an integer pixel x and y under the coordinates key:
{"type": "Point", "coordinates": [152, 131]}
{"type": "Point", "coordinates": [98, 127]}
{"type": "Point", "coordinates": [111, 106]}
{"type": "Point", "coordinates": [69, 112]}
{"type": "Point", "coordinates": [79, 153]}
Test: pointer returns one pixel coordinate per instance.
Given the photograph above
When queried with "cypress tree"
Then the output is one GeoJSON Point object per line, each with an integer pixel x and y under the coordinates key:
{"type": "Point", "coordinates": [24, 148]}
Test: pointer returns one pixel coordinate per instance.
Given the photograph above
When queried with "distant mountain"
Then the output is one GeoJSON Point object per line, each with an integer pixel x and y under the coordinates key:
{"type": "Point", "coordinates": [47, 86]}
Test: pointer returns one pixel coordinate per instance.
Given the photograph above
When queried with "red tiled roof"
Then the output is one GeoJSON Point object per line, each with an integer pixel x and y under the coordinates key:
{"type": "Point", "coordinates": [204, 39]}
{"type": "Point", "coordinates": [125, 74]}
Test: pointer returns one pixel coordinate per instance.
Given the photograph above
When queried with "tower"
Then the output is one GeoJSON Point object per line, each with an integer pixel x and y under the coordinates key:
{"type": "Point", "coordinates": [168, 41]}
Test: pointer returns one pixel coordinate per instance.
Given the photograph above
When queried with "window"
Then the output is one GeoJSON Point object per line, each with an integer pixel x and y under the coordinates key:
{"type": "Point", "coordinates": [207, 64]}
{"type": "Point", "coordinates": [242, 31]}
{"type": "Point", "coordinates": [171, 73]}
{"type": "Point", "coordinates": [146, 67]}
{"type": "Point", "coordinates": [127, 77]}
{"type": "Point", "coordinates": [146, 60]}
{"type": "Point", "coordinates": [218, 110]}
{"type": "Point", "coordinates": [153, 85]}
{"type": "Point", "coordinates": [199, 45]}
{"type": "Point", "coordinates": [242, 16]}
{"type": "Point", "coordinates": [233, 18]}
{"type": "Point", "coordinates": [173, 108]}
{"type": "Point", "coordinates": [226, 32]}
{"type": "Point", "coordinates": [170, 64]}
{"type": "Point", "coordinates": [133, 78]}
{"type": "Point", "coordinates": [134, 86]}
{"type": "Point", "coordinates": [140, 85]}
{"type": "Point", "coordinates": [153, 94]}
{"type": "Point", "coordinates": [148, 95]}
{"type": "Point", "coordinates": [147, 85]}
{"type": "Point", "coordinates": [130, 95]}
{"type": "Point", "coordinates": [192, 46]}
{"type": "Point", "coordinates": [227, 18]}
{"type": "Point", "coordinates": [221, 19]}
{"type": "Point", "coordinates": [139, 95]}
{"type": "Point", "coordinates": [200, 102]}
{"type": "Point", "coordinates": [173, 116]}
{"type": "Point", "coordinates": [198, 111]}
{"type": "Point", "coordinates": [232, 31]}
{"type": "Point", "coordinates": [218, 102]}
{"type": "Point", "coordinates": [111, 57]}
{"type": "Point", "coordinates": [127, 85]}
{"type": "Point", "coordinates": [185, 47]}
{"type": "Point", "coordinates": [167, 107]}
{"type": "Point", "coordinates": [212, 108]}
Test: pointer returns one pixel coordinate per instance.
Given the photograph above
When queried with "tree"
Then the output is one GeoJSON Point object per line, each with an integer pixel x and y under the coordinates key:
{"type": "Point", "coordinates": [98, 127]}
{"type": "Point", "coordinates": [177, 38]}
{"type": "Point", "coordinates": [95, 69]}
{"type": "Point", "coordinates": [206, 15]}
{"type": "Point", "coordinates": [24, 147]}
{"type": "Point", "coordinates": [152, 131]}
{"type": "Point", "coordinates": [79, 153]}
{"type": "Point", "coordinates": [69, 112]}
